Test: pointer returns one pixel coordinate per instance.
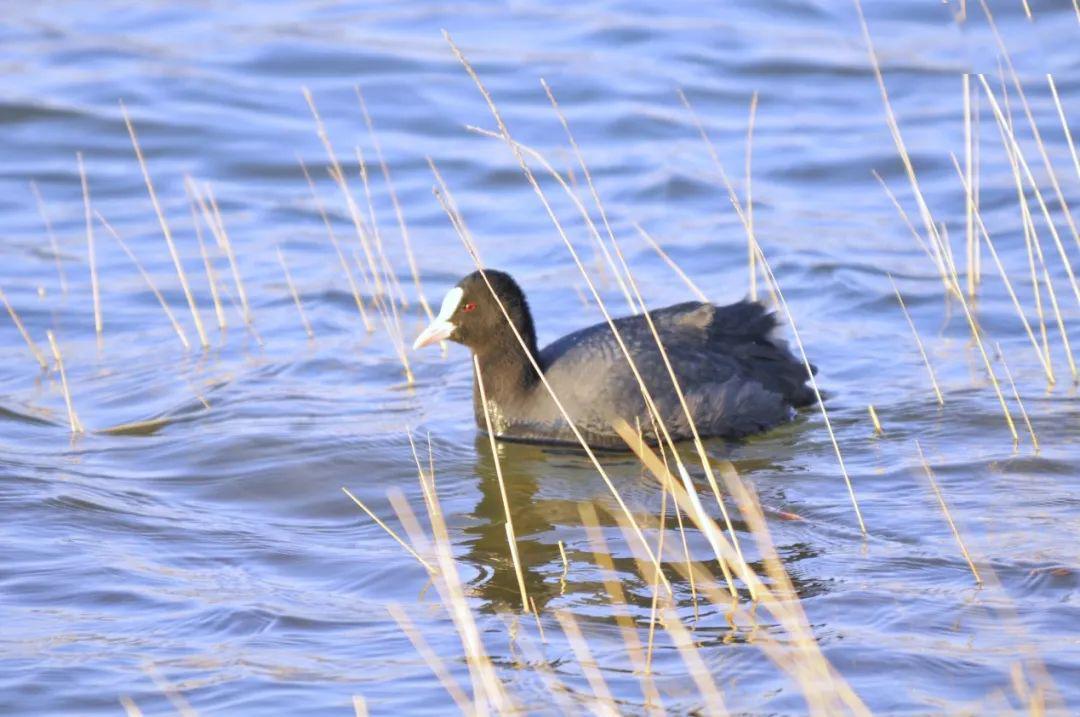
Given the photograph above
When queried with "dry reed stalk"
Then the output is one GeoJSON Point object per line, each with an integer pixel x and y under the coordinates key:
{"type": "Point", "coordinates": [410, 257]}
{"type": "Point", "coordinates": [203, 341]}
{"type": "Point", "coordinates": [1044, 359]}
{"type": "Point", "coordinates": [1018, 153]}
{"type": "Point", "coordinates": [625, 622]}
{"type": "Point", "coordinates": [813, 385]}
{"type": "Point", "coordinates": [661, 530]}
{"type": "Point", "coordinates": [536, 615]}
{"type": "Point", "coordinates": [671, 264]}
{"type": "Point", "coordinates": [225, 244]}
{"type": "Point", "coordinates": [38, 355]}
{"type": "Point", "coordinates": [523, 165]}
{"type": "Point", "coordinates": [178, 701]}
{"type": "Point", "coordinates": [1016, 395]}
{"type": "Point", "coordinates": [397, 333]}
{"type": "Point", "coordinates": [147, 278]}
{"type": "Point", "coordinates": [1064, 123]}
{"type": "Point", "coordinates": [820, 700]}
{"type": "Point", "coordinates": [751, 256]}
{"type": "Point", "coordinates": [918, 343]}
{"type": "Point", "coordinates": [904, 216]}
{"type": "Point", "coordinates": [603, 703]}
{"type": "Point", "coordinates": [95, 288]}
{"type": "Point", "coordinates": [427, 481]}
{"type": "Point", "coordinates": [390, 531]}
{"type": "Point", "coordinates": [53, 243]}
{"type": "Point", "coordinates": [384, 263]}
{"type": "Point", "coordinates": [1032, 124]}
{"type": "Point", "coordinates": [948, 515]}
{"type": "Point", "coordinates": [1030, 239]}
{"type": "Point", "coordinates": [448, 203]}
{"type": "Point", "coordinates": [73, 417]}
{"type": "Point", "coordinates": [471, 249]}
{"type": "Point", "coordinates": [878, 430]}
{"type": "Point", "coordinates": [594, 232]}
{"type": "Point", "coordinates": [208, 265]}
{"type": "Point", "coordinates": [130, 708]}
{"type": "Point", "coordinates": [338, 175]}
{"type": "Point", "coordinates": [487, 688]}
{"type": "Point", "coordinates": [732, 196]}
{"type": "Point", "coordinates": [699, 671]}
{"type": "Point", "coordinates": [778, 295]}
{"type": "Point", "coordinates": [392, 324]}
{"type": "Point", "coordinates": [909, 168]}
{"type": "Point", "coordinates": [565, 568]}
{"type": "Point", "coordinates": [952, 280]}
{"type": "Point", "coordinates": [337, 249]}
{"type": "Point", "coordinates": [595, 195]}
{"type": "Point", "coordinates": [359, 706]}
{"type": "Point", "coordinates": [741, 565]}
{"type": "Point", "coordinates": [1060, 321]}
{"type": "Point", "coordinates": [678, 520]}
{"type": "Point", "coordinates": [510, 537]}
{"type": "Point", "coordinates": [421, 645]}
{"type": "Point", "coordinates": [969, 199]}
{"type": "Point", "coordinates": [814, 668]}
{"type": "Point", "coordinates": [295, 294]}
{"type": "Point", "coordinates": [948, 272]}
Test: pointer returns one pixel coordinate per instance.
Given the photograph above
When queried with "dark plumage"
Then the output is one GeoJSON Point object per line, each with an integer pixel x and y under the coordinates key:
{"type": "Point", "coordinates": [737, 378]}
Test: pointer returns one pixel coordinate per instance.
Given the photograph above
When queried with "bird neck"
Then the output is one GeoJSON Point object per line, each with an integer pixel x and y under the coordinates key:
{"type": "Point", "coordinates": [508, 374]}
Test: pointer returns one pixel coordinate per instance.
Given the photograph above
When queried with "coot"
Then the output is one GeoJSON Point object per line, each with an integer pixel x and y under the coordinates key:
{"type": "Point", "coordinates": [737, 378]}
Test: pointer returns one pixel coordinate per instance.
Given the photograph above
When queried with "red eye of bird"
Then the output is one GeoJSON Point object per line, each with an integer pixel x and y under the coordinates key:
{"type": "Point", "coordinates": [469, 307]}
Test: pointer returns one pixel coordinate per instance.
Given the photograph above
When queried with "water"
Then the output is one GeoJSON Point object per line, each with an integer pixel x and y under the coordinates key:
{"type": "Point", "coordinates": [214, 552]}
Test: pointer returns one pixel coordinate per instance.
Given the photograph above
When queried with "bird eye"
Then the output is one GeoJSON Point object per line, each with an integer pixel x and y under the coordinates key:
{"type": "Point", "coordinates": [469, 307]}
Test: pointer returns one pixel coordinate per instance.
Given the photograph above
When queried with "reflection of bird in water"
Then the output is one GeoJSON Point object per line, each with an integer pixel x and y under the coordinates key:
{"type": "Point", "coordinates": [534, 523]}
{"type": "Point", "coordinates": [540, 522]}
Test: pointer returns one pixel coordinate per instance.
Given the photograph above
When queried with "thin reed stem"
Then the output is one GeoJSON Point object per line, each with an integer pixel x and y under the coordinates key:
{"type": "Point", "coordinates": [595, 195]}
{"type": "Point", "coordinates": [95, 289]}
{"type": "Point", "coordinates": [410, 257]}
{"type": "Point", "coordinates": [1016, 395]}
{"type": "Point", "coordinates": [54, 245]}
{"type": "Point", "coordinates": [671, 264]}
{"type": "Point", "coordinates": [813, 385]}
{"type": "Point", "coordinates": [613, 586]}
{"type": "Point", "coordinates": [1064, 123]}
{"type": "Point", "coordinates": [149, 281]}
{"type": "Point", "coordinates": [208, 265]}
{"type": "Point", "coordinates": [389, 531]}
{"type": "Point", "coordinates": [295, 294]}
{"type": "Point", "coordinates": [918, 343]}
{"type": "Point", "coordinates": [353, 289]}
{"type": "Point", "coordinates": [338, 175]}
{"type": "Point", "coordinates": [36, 352]}
{"type": "Point", "coordinates": [751, 255]}
{"type": "Point", "coordinates": [510, 537]}
{"type": "Point", "coordinates": [73, 417]}
{"type": "Point", "coordinates": [1044, 359]}
{"type": "Point", "coordinates": [165, 230]}
{"type": "Point", "coordinates": [604, 703]}
{"type": "Point", "coordinates": [445, 678]}
{"type": "Point", "coordinates": [948, 515]}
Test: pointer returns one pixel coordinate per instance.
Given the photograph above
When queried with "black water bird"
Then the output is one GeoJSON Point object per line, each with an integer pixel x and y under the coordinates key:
{"type": "Point", "coordinates": [736, 376]}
